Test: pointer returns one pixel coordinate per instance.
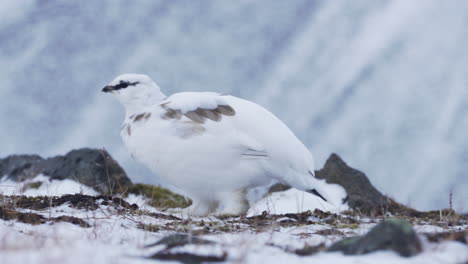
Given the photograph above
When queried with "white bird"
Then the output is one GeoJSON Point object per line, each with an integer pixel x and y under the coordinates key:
{"type": "Point", "coordinates": [212, 146]}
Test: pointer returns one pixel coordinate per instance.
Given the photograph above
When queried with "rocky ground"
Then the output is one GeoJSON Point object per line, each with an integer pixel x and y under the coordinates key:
{"type": "Point", "coordinates": [86, 210]}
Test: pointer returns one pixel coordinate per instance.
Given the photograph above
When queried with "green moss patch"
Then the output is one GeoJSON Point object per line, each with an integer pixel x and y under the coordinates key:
{"type": "Point", "coordinates": [31, 185]}
{"type": "Point", "coordinates": [159, 197]}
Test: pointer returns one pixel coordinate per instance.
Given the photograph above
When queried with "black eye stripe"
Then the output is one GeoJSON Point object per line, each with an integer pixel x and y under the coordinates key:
{"type": "Point", "coordinates": [124, 84]}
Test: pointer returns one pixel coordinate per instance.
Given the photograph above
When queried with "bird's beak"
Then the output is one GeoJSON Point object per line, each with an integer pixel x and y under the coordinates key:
{"type": "Point", "coordinates": [108, 88]}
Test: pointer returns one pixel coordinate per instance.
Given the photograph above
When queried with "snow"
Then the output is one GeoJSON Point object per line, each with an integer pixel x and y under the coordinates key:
{"type": "Point", "coordinates": [190, 101]}
{"type": "Point", "coordinates": [114, 237]}
{"type": "Point", "coordinates": [48, 187]}
{"type": "Point", "coordinates": [382, 83]}
{"type": "Point", "coordinates": [295, 201]}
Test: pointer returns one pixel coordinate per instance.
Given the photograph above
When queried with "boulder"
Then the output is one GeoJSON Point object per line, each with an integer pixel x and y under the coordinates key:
{"type": "Point", "coordinates": [390, 234]}
{"type": "Point", "coordinates": [91, 167]}
{"type": "Point", "coordinates": [21, 167]}
{"type": "Point", "coordinates": [362, 196]}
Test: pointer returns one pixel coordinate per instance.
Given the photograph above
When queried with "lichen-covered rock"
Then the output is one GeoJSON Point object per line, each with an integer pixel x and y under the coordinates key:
{"type": "Point", "coordinates": [390, 234]}
{"type": "Point", "coordinates": [91, 167]}
{"type": "Point", "coordinates": [362, 195]}
{"type": "Point", "coordinates": [21, 167]}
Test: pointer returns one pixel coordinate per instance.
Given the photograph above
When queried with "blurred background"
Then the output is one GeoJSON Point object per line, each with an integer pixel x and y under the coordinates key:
{"type": "Point", "coordinates": [382, 83]}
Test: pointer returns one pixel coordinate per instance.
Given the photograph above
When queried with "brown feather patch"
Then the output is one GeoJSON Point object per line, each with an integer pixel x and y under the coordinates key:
{"type": "Point", "coordinates": [172, 114]}
{"type": "Point", "coordinates": [210, 114]}
{"type": "Point", "coordinates": [129, 130]}
{"type": "Point", "coordinates": [139, 117]}
{"type": "Point", "coordinates": [199, 115]}
{"type": "Point", "coordinates": [195, 117]}
{"type": "Point", "coordinates": [225, 110]}
{"type": "Point", "coordinates": [147, 116]}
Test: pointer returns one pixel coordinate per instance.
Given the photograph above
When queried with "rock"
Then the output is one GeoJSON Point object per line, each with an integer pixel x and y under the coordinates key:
{"type": "Point", "coordinates": [329, 232]}
{"type": "Point", "coordinates": [177, 240]}
{"type": "Point", "coordinates": [21, 167]}
{"type": "Point", "coordinates": [362, 196]}
{"type": "Point", "coordinates": [390, 234]}
{"type": "Point", "coordinates": [180, 240]}
{"type": "Point", "coordinates": [308, 250]}
{"type": "Point", "coordinates": [91, 167]}
{"type": "Point", "coordinates": [189, 258]}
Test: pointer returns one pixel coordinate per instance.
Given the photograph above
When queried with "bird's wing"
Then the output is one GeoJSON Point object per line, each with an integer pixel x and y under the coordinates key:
{"type": "Point", "coordinates": [197, 106]}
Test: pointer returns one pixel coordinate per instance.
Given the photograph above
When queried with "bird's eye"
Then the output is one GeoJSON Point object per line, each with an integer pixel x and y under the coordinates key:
{"type": "Point", "coordinates": [123, 84]}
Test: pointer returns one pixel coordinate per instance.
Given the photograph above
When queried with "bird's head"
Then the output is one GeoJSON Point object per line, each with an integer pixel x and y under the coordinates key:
{"type": "Point", "coordinates": [134, 90]}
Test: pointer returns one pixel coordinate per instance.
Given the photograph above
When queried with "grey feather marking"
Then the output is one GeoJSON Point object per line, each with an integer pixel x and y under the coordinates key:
{"type": "Point", "coordinates": [195, 117]}
{"type": "Point", "coordinates": [210, 114]}
{"type": "Point", "coordinates": [147, 116]}
{"type": "Point", "coordinates": [172, 114]}
{"type": "Point", "coordinates": [199, 115]}
{"type": "Point", "coordinates": [139, 117]}
{"type": "Point", "coordinates": [255, 154]}
{"type": "Point", "coordinates": [225, 110]}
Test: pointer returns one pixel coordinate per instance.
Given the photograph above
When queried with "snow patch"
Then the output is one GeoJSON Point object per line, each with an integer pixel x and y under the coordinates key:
{"type": "Point", "coordinates": [294, 201]}
{"type": "Point", "coordinates": [42, 185]}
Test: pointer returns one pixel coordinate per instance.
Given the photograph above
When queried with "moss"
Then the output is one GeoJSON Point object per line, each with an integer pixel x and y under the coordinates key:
{"type": "Point", "coordinates": [159, 197]}
{"type": "Point", "coordinates": [350, 226]}
{"type": "Point", "coordinates": [31, 185]}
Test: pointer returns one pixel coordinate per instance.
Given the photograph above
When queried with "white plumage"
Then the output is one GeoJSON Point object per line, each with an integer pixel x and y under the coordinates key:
{"type": "Point", "coordinates": [212, 146]}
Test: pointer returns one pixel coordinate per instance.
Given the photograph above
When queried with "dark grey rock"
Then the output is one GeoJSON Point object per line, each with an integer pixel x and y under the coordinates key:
{"type": "Point", "coordinates": [189, 258]}
{"type": "Point", "coordinates": [91, 167]}
{"type": "Point", "coordinates": [21, 167]}
{"type": "Point", "coordinates": [390, 234]}
{"type": "Point", "coordinates": [362, 196]}
{"type": "Point", "coordinates": [177, 240]}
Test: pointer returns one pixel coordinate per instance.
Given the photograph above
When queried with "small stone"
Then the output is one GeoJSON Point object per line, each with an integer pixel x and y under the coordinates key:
{"type": "Point", "coordinates": [390, 234]}
{"type": "Point", "coordinates": [177, 240]}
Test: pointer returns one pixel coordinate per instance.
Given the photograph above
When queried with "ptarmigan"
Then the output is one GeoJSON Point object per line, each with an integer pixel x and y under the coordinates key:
{"type": "Point", "coordinates": [212, 146]}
